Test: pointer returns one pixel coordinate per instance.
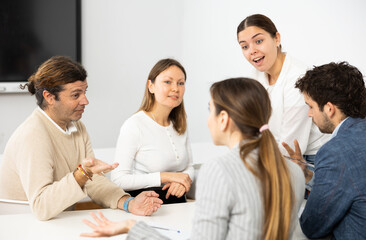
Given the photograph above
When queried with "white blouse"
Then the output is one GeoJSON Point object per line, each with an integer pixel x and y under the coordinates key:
{"type": "Point", "coordinates": [289, 120]}
{"type": "Point", "coordinates": [145, 148]}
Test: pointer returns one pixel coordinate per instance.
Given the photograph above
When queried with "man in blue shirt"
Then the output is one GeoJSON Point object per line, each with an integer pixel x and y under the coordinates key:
{"type": "Point", "coordinates": [336, 206]}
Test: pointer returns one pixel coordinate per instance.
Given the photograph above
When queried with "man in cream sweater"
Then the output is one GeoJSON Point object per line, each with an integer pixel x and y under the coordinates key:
{"type": "Point", "coordinates": [49, 160]}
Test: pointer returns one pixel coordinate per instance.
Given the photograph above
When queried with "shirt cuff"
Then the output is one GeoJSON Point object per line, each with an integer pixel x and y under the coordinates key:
{"type": "Point", "coordinates": [309, 185]}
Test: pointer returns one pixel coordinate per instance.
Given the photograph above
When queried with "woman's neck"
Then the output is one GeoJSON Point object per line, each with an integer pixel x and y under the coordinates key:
{"type": "Point", "coordinates": [160, 115]}
{"type": "Point", "coordinates": [275, 71]}
{"type": "Point", "coordinates": [233, 139]}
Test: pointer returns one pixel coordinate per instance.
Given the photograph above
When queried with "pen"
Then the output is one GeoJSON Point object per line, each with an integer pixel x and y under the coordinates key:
{"type": "Point", "coordinates": [302, 162]}
{"type": "Point", "coordinates": [167, 229]}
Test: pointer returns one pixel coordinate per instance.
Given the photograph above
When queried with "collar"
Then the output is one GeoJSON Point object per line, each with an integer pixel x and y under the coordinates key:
{"type": "Point", "coordinates": [70, 128]}
{"type": "Point", "coordinates": [334, 133]}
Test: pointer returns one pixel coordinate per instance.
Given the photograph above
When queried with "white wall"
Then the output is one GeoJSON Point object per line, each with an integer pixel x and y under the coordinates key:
{"type": "Point", "coordinates": [313, 31]}
{"type": "Point", "coordinates": [122, 40]}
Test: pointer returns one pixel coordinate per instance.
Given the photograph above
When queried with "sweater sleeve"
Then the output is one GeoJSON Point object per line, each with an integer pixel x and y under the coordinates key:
{"type": "Point", "coordinates": [128, 144]}
{"type": "Point", "coordinates": [189, 170]}
{"type": "Point", "coordinates": [104, 192]}
{"type": "Point", "coordinates": [47, 198]}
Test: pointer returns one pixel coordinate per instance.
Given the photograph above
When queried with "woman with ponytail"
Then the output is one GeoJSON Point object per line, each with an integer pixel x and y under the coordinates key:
{"type": "Point", "coordinates": [240, 109]}
{"type": "Point", "coordinates": [251, 192]}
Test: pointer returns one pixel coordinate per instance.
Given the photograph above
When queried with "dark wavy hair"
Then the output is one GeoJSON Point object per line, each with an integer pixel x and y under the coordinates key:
{"type": "Point", "coordinates": [52, 75]}
{"type": "Point", "coordinates": [339, 83]}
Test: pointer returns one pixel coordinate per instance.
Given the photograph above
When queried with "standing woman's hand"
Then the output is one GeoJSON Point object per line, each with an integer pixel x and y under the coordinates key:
{"type": "Point", "coordinates": [103, 227]}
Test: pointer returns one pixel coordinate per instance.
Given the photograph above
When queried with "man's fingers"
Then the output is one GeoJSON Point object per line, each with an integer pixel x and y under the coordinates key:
{"type": "Point", "coordinates": [155, 208]}
{"type": "Point", "coordinates": [114, 165]}
{"type": "Point", "coordinates": [158, 201]}
{"type": "Point", "coordinates": [148, 212]}
{"type": "Point", "coordinates": [158, 205]}
{"type": "Point", "coordinates": [151, 194]}
{"type": "Point", "coordinates": [155, 199]}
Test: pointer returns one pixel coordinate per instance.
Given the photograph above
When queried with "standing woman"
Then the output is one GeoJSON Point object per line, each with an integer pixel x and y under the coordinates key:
{"type": "Point", "coordinates": [251, 192]}
{"type": "Point", "coordinates": [153, 150]}
{"type": "Point", "coordinates": [277, 71]}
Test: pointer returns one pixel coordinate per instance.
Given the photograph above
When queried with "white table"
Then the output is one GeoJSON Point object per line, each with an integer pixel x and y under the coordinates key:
{"type": "Point", "coordinates": [69, 225]}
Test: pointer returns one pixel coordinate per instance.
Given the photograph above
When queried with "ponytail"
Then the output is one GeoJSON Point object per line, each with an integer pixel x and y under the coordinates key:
{"type": "Point", "coordinates": [249, 106]}
{"type": "Point", "coordinates": [276, 185]}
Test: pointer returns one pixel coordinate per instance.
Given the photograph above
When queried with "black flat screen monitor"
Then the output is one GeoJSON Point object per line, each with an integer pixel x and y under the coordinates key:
{"type": "Point", "coordinates": [31, 31]}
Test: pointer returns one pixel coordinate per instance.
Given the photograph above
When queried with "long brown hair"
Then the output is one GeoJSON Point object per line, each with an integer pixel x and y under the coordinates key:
{"type": "Point", "coordinates": [249, 106]}
{"type": "Point", "coordinates": [178, 114]}
{"type": "Point", "coordinates": [52, 75]}
{"type": "Point", "coordinates": [261, 21]}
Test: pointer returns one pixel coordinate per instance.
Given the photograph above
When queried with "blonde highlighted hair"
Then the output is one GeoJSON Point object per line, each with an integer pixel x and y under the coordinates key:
{"type": "Point", "coordinates": [249, 106]}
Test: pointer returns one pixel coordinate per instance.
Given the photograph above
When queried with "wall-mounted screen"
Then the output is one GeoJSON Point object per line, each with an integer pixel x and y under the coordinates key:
{"type": "Point", "coordinates": [31, 31]}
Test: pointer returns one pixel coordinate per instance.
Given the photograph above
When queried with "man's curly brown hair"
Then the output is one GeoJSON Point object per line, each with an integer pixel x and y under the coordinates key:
{"type": "Point", "coordinates": [339, 83]}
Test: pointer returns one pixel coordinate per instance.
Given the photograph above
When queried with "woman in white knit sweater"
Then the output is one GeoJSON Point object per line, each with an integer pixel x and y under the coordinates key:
{"type": "Point", "coordinates": [252, 192]}
{"type": "Point", "coordinates": [153, 150]}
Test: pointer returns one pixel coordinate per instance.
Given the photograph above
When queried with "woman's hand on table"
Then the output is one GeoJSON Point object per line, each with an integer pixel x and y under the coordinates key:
{"type": "Point", "coordinates": [174, 189]}
{"type": "Point", "coordinates": [182, 178]}
{"type": "Point", "coordinates": [103, 227]}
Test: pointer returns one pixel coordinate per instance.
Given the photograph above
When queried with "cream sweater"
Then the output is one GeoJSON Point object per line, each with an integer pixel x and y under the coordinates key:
{"type": "Point", "coordinates": [38, 165]}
